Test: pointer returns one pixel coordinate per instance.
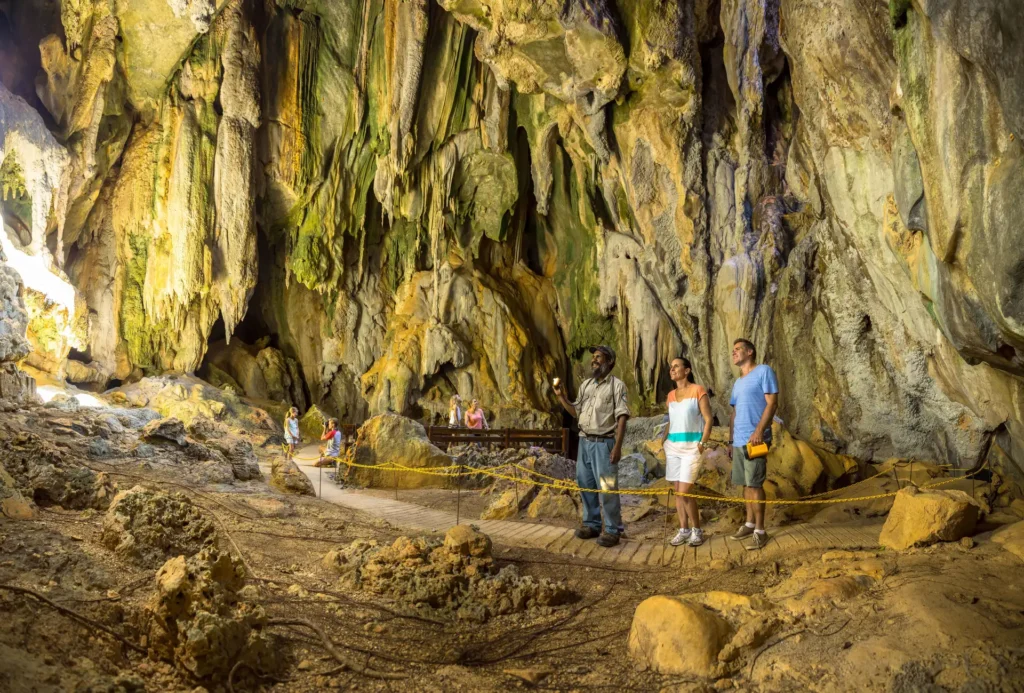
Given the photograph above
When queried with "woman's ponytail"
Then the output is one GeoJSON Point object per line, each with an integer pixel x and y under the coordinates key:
{"type": "Point", "coordinates": [686, 364]}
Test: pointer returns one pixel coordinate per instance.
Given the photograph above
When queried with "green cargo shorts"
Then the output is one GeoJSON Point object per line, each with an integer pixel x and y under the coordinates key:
{"type": "Point", "coordinates": [748, 472]}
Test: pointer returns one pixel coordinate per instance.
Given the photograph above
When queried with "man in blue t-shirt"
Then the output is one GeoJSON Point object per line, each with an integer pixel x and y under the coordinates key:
{"type": "Point", "coordinates": [755, 397]}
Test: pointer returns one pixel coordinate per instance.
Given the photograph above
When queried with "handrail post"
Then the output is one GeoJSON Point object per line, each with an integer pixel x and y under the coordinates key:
{"type": "Point", "coordinates": [565, 442]}
{"type": "Point", "coordinates": [508, 438]}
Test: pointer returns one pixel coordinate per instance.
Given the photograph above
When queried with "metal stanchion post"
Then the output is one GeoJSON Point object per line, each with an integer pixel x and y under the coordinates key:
{"type": "Point", "coordinates": [896, 476]}
{"type": "Point", "coordinates": [396, 484]}
{"type": "Point", "coordinates": [458, 499]}
{"type": "Point", "coordinates": [912, 470]}
{"type": "Point", "coordinates": [515, 485]}
{"type": "Point", "coordinates": [668, 524]}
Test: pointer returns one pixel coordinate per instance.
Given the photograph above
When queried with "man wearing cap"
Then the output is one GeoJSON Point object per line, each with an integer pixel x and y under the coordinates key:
{"type": "Point", "coordinates": [601, 410]}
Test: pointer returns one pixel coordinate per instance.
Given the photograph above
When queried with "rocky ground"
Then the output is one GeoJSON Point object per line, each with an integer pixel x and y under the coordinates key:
{"type": "Point", "coordinates": [138, 552]}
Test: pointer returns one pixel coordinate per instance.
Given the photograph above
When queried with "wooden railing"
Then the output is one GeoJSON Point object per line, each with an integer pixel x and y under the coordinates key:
{"type": "Point", "coordinates": [555, 441]}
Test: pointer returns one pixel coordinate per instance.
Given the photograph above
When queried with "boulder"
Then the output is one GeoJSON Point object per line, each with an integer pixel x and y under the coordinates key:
{"type": "Point", "coordinates": [13, 505]}
{"type": "Point", "coordinates": [240, 455]}
{"type": "Point", "coordinates": [389, 438]}
{"type": "Point", "coordinates": [286, 477]}
{"type": "Point", "coordinates": [467, 540]}
{"type": "Point", "coordinates": [923, 517]}
{"type": "Point", "coordinates": [166, 429]}
{"type": "Point", "coordinates": [503, 506]}
{"type": "Point", "coordinates": [1011, 538]}
{"type": "Point", "coordinates": [198, 617]}
{"type": "Point", "coordinates": [633, 471]}
{"type": "Point", "coordinates": [552, 504]}
{"type": "Point", "coordinates": [674, 635]}
{"type": "Point", "coordinates": [311, 424]}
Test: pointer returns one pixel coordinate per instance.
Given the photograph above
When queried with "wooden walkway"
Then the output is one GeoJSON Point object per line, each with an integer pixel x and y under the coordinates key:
{"type": "Point", "coordinates": [629, 551]}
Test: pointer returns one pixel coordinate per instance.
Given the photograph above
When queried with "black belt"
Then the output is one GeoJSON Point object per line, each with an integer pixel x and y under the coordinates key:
{"type": "Point", "coordinates": [609, 436]}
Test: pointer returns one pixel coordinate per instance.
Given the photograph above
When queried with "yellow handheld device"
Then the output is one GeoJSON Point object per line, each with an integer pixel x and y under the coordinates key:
{"type": "Point", "coordinates": [755, 451]}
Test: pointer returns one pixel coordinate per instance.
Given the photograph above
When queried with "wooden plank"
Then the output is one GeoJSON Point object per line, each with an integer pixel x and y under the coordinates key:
{"type": "Point", "coordinates": [631, 547]}
{"type": "Point", "coordinates": [558, 546]}
{"type": "Point", "coordinates": [640, 557]}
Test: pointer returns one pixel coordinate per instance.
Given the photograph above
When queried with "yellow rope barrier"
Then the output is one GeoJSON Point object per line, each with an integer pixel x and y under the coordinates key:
{"type": "Point", "coordinates": [452, 471]}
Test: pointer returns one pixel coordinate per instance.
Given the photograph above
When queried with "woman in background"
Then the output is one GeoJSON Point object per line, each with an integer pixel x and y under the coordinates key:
{"type": "Point", "coordinates": [475, 416]}
{"type": "Point", "coordinates": [688, 431]}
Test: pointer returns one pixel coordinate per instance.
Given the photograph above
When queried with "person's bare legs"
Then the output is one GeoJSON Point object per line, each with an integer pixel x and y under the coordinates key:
{"type": "Point", "coordinates": [758, 494]}
{"type": "Point", "coordinates": [689, 506]}
{"type": "Point", "coordinates": [681, 505]}
{"type": "Point", "coordinates": [749, 494]}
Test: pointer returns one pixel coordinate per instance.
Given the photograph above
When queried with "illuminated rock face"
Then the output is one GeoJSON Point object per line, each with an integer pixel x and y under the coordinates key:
{"type": "Point", "coordinates": [419, 197]}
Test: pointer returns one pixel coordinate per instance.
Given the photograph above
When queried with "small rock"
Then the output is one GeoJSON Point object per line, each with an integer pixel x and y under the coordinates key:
{"type": "Point", "coordinates": [99, 448]}
{"type": "Point", "coordinates": [467, 540]}
{"type": "Point", "coordinates": [531, 676]}
{"type": "Point", "coordinates": [15, 507]}
{"type": "Point", "coordinates": [967, 542]}
{"type": "Point", "coordinates": [721, 564]}
{"type": "Point", "coordinates": [305, 665]}
{"type": "Point", "coordinates": [168, 429]}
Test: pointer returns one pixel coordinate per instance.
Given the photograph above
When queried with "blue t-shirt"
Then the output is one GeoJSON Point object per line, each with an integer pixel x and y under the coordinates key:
{"type": "Point", "coordinates": [334, 445]}
{"type": "Point", "coordinates": [748, 397]}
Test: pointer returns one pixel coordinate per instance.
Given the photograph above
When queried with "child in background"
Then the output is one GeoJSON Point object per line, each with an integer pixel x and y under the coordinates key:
{"type": "Point", "coordinates": [455, 412]}
{"type": "Point", "coordinates": [291, 430]}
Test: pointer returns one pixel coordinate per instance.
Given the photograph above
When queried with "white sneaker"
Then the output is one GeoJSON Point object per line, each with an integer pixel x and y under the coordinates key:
{"type": "Point", "coordinates": [696, 537]}
{"type": "Point", "coordinates": [681, 537]}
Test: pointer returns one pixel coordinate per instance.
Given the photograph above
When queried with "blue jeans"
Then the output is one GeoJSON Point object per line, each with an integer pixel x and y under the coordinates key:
{"type": "Point", "coordinates": [595, 470]}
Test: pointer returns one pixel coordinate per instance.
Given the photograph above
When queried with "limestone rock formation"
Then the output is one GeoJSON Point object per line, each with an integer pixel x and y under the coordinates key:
{"type": "Point", "coordinates": [922, 517]}
{"type": "Point", "coordinates": [197, 616]}
{"type": "Point", "coordinates": [149, 527]}
{"type": "Point", "coordinates": [457, 575]}
{"type": "Point", "coordinates": [413, 198]}
{"type": "Point", "coordinates": [286, 477]}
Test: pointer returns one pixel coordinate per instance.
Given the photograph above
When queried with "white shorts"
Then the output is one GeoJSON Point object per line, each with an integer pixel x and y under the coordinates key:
{"type": "Point", "coordinates": [684, 468]}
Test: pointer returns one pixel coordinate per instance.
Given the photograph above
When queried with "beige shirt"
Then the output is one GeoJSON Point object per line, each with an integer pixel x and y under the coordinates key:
{"type": "Point", "coordinates": [599, 404]}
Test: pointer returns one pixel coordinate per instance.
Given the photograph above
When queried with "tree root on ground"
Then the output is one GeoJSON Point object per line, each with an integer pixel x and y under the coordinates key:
{"type": "Point", "coordinates": [75, 616]}
{"type": "Point", "coordinates": [329, 645]}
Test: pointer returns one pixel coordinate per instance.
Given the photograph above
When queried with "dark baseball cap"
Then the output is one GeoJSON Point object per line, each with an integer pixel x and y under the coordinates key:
{"type": "Point", "coordinates": [606, 350]}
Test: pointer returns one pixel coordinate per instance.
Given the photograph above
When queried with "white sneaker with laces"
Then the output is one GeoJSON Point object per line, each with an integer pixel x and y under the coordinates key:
{"type": "Point", "coordinates": [696, 537]}
{"type": "Point", "coordinates": [681, 537]}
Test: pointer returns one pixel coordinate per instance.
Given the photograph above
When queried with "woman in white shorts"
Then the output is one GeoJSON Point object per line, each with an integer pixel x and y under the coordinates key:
{"type": "Point", "coordinates": [688, 430]}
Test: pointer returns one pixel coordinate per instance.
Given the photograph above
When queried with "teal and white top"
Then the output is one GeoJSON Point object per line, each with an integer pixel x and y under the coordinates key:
{"type": "Point", "coordinates": [685, 422]}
